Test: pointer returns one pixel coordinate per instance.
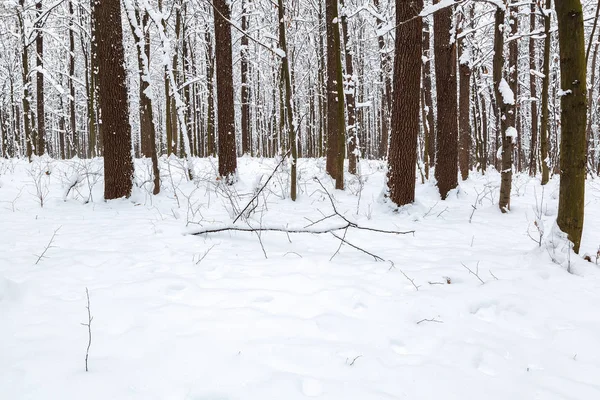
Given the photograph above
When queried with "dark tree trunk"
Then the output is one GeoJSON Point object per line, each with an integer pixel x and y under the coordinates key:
{"type": "Point", "coordinates": [245, 92]}
{"type": "Point", "coordinates": [402, 157]}
{"type": "Point", "coordinates": [428, 97]}
{"type": "Point", "coordinates": [139, 23]}
{"type": "Point", "coordinates": [114, 105]}
{"type": "Point", "coordinates": [446, 171]}
{"type": "Point", "coordinates": [506, 113]}
{"type": "Point", "coordinates": [386, 99]}
{"type": "Point", "coordinates": [533, 89]}
{"type": "Point", "coordinates": [210, 77]}
{"type": "Point", "coordinates": [464, 109]}
{"type": "Point", "coordinates": [41, 109]}
{"type": "Point", "coordinates": [573, 119]}
{"type": "Point", "coordinates": [336, 144]}
{"type": "Point", "coordinates": [225, 104]}
{"type": "Point", "coordinates": [544, 126]}
{"type": "Point", "coordinates": [27, 117]}
{"type": "Point", "coordinates": [285, 69]}
{"type": "Point", "coordinates": [349, 90]}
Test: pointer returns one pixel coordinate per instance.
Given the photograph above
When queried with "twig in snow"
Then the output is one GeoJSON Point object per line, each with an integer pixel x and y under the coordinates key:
{"type": "Point", "coordinates": [412, 281]}
{"type": "Point", "coordinates": [430, 320]}
{"type": "Point", "coordinates": [474, 273]}
{"type": "Point", "coordinates": [263, 186]}
{"type": "Point", "coordinates": [205, 254]}
{"type": "Point", "coordinates": [48, 246]}
{"type": "Point", "coordinates": [495, 277]}
{"type": "Point", "coordinates": [351, 363]}
{"type": "Point", "coordinates": [89, 326]}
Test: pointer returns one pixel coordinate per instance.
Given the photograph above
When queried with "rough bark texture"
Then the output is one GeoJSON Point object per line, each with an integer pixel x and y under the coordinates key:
{"type": "Point", "coordinates": [225, 105]}
{"type": "Point", "coordinates": [506, 114]}
{"type": "Point", "coordinates": [428, 97]}
{"type": "Point", "coordinates": [114, 106]}
{"type": "Point", "coordinates": [544, 125]}
{"type": "Point", "coordinates": [27, 118]}
{"type": "Point", "coordinates": [573, 119]}
{"type": "Point", "coordinates": [349, 89]}
{"type": "Point", "coordinates": [513, 78]}
{"type": "Point", "coordinates": [41, 109]}
{"type": "Point", "coordinates": [336, 130]}
{"type": "Point", "coordinates": [147, 127]}
{"type": "Point", "coordinates": [533, 89]}
{"type": "Point", "coordinates": [285, 69]}
{"type": "Point", "coordinates": [464, 110]}
{"type": "Point", "coordinates": [210, 87]}
{"type": "Point", "coordinates": [386, 99]}
{"type": "Point", "coordinates": [446, 170]}
{"type": "Point", "coordinates": [402, 157]}
{"type": "Point", "coordinates": [245, 92]}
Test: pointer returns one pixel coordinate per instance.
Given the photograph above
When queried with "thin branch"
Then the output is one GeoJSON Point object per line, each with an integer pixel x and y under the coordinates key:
{"type": "Point", "coordinates": [48, 246]}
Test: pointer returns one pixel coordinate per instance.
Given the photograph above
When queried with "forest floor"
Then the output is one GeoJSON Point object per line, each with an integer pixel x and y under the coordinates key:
{"type": "Point", "coordinates": [226, 316]}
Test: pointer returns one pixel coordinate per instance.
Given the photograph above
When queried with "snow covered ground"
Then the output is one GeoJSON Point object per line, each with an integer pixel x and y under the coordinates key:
{"type": "Point", "coordinates": [209, 317]}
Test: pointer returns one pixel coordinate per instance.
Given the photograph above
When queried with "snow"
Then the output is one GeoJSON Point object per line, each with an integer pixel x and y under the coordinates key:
{"type": "Point", "coordinates": [562, 92]}
{"type": "Point", "coordinates": [508, 97]}
{"type": "Point", "coordinates": [178, 316]}
{"type": "Point", "coordinates": [511, 132]}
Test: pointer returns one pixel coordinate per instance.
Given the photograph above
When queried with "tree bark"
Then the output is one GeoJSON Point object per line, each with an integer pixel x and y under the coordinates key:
{"type": "Point", "coordinates": [402, 157]}
{"type": "Point", "coordinates": [544, 126]}
{"type": "Point", "coordinates": [386, 98]}
{"type": "Point", "coordinates": [533, 89]}
{"type": "Point", "coordinates": [336, 143]}
{"type": "Point", "coordinates": [446, 171]}
{"type": "Point", "coordinates": [573, 116]}
{"type": "Point", "coordinates": [245, 92]}
{"type": "Point", "coordinates": [428, 97]}
{"type": "Point", "coordinates": [114, 105]}
{"type": "Point", "coordinates": [349, 91]}
{"type": "Point", "coordinates": [210, 78]}
{"type": "Point", "coordinates": [41, 109]}
{"type": "Point", "coordinates": [464, 108]}
{"type": "Point", "coordinates": [285, 69]}
{"type": "Point", "coordinates": [506, 113]}
{"type": "Point", "coordinates": [225, 104]}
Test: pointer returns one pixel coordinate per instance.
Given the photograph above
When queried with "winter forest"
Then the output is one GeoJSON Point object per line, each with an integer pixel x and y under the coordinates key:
{"type": "Point", "coordinates": [265, 199]}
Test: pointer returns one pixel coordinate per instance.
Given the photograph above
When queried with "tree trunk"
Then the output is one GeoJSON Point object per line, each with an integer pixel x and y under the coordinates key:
{"type": "Point", "coordinates": [245, 92]}
{"type": "Point", "coordinates": [114, 105]}
{"type": "Point", "coordinates": [41, 109]}
{"type": "Point", "coordinates": [544, 126]}
{"type": "Point", "coordinates": [27, 117]}
{"type": "Point", "coordinates": [573, 119]}
{"type": "Point", "coordinates": [349, 91]}
{"type": "Point", "coordinates": [446, 171]}
{"type": "Point", "coordinates": [336, 143]}
{"type": "Point", "coordinates": [533, 89]}
{"type": "Point", "coordinates": [506, 113]}
{"type": "Point", "coordinates": [428, 97]}
{"type": "Point", "coordinates": [139, 23]}
{"type": "Point", "coordinates": [210, 77]}
{"type": "Point", "coordinates": [285, 69]}
{"type": "Point", "coordinates": [464, 108]}
{"type": "Point", "coordinates": [225, 104]}
{"type": "Point", "coordinates": [402, 157]}
{"type": "Point", "coordinates": [386, 99]}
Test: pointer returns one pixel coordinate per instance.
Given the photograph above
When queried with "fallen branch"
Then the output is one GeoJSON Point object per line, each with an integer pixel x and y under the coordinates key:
{"type": "Point", "coordinates": [430, 320]}
{"type": "Point", "coordinates": [89, 326]}
{"type": "Point", "coordinates": [263, 186]}
{"type": "Point", "coordinates": [48, 246]}
{"type": "Point", "coordinates": [474, 273]}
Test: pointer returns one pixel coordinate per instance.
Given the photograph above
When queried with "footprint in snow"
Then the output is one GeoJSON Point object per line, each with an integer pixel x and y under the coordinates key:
{"type": "Point", "coordinates": [398, 347]}
{"type": "Point", "coordinates": [263, 299]}
{"type": "Point", "coordinates": [311, 387]}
